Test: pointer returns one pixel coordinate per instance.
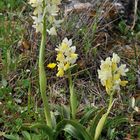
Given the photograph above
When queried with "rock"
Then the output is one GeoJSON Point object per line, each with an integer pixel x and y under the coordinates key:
{"type": "Point", "coordinates": [76, 6]}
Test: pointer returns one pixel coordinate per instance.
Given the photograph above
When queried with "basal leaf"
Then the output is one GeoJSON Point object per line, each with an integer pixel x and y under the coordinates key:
{"type": "Point", "coordinates": [26, 135]}
{"type": "Point", "coordinates": [116, 121]}
{"type": "Point", "coordinates": [76, 128]}
{"type": "Point", "coordinates": [88, 116]}
{"type": "Point", "coordinates": [95, 122]}
{"type": "Point", "coordinates": [100, 126]}
{"type": "Point", "coordinates": [73, 132]}
{"type": "Point", "coordinates": [45, 128]}
{"type": "Point", "coordinates": [12, 136]}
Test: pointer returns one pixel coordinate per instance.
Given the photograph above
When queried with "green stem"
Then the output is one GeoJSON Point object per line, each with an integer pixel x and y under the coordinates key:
{"type": "Point", "coordinates": [110, 102]}
{"type": "Point", "coordinates": [29, 98]}
{"type": "Point", "coordinates": [42, 76]}
{"type": "Point", "coordinates": [73, 99]}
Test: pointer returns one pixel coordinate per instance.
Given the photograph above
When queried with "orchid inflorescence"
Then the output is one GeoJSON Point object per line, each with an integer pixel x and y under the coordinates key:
{"type": "Point", "coordinates": [48, 8]}
{"type": "Point", "coordinates": [110, 74]}
{"type": "Point", "coordinates": [66, 56]}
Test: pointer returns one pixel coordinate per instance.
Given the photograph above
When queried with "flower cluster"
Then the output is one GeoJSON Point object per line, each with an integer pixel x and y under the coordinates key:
{"type": "Point", "coordinates": [110, 73]}
{"type": "Point", "coordinates": [48, 9]}
{"type": "Point", "coordinates": [66, 56]}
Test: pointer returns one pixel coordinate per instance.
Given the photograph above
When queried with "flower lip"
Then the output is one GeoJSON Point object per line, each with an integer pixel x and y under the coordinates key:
{"type": "Point", "coordinates": [51, 65]}
{"type": "Point", "coordinates": [52, 31]}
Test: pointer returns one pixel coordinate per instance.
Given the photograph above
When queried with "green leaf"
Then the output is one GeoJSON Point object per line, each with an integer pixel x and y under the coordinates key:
{"type": "Point", "coordinates": [74, 128]}
{"type": "Point", "coordinates": [88, 115]}
{"type": "Point", "coordinates": [36, 137]}
{"type": "Point", "coordinates": [111, 133]}
{"type": "Point", "coordinates": [111, 125]}
{"type": "Point", "coordinates": [116, 121]}
{"type": "Point", "coordinates": [53, 119]}
{"type": "Point", "coordinates": [100, 126]}
{"type": "Point", "coordinates": [4, 82]}
{"type": "Point", "coordinates": [123, 27]}
{"type": "Point", "coordinates": [94, 27]}
{"type": "Point", "coordinates": [45, 128]}
{"type": "Point", "coordinates": [25, 83]}
{"type": "Point", "coordinates": [64, 111]}
{"type": "Point", "coordinates": [102, 122]}
{"type": "Point", "coordinates": [95, 122]}
{"type": "Point", "coordinates": [73, 101]}
{"type": "Point", "coordinates": [26, 135]}
{"type": "Point", "coordinates": [2, 5]}
{"type": "Point", "coordinates": [12, 136]}
{"type": "Point", "coordinates": [73, 132]}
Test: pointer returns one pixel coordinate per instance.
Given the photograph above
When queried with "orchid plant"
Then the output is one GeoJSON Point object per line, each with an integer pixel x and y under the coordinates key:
{"type": "Point", "coordinates": [66, 58]}
{"type": "Point", "coordinates": [110, 76]}
{"type": "Point", "coordinates": [44, 13]}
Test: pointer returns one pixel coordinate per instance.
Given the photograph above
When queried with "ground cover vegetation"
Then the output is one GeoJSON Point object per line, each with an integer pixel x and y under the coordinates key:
{"type": "Point", "coordinates": [69, 70]}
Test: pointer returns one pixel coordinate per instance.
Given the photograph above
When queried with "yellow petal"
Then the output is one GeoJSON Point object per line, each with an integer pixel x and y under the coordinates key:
{"type": "Point", "coordinates": [64, 46]}
{"type": "Point", "coordinates": [109, 85]}
{"type": "Point", "coordinates": [74, 55]}
{"type": "Point", "coordinates": [116, 77]}
{"type": "Point", "coordinates": [60, 73]}
{"type": "Point", "coordinates": [114, 66]}
{"type": "Point", "coordinates": [66, 67]}
{"type": "Point", "coordinates": [51, 65]}
{"type": "Point", "coordinates": [123, 83]}
{"type": "Point", "coordinates": [60, 57]}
